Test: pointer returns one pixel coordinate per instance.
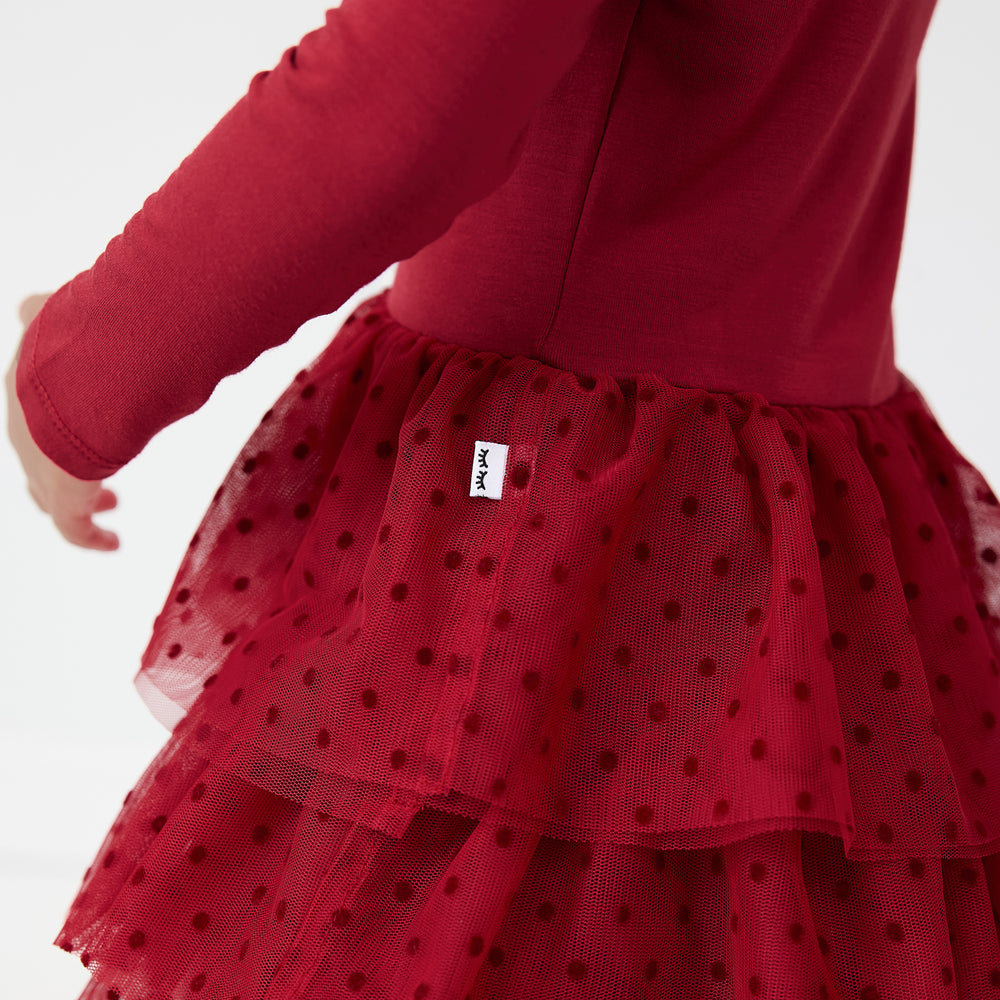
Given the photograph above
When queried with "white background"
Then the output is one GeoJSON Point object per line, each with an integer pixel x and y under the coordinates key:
{"type": "Point", "coordinates": [100, 102]}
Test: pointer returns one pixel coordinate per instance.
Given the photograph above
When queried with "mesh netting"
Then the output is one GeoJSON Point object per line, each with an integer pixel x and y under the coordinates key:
{"type": "Point", "coordinates": [702, 704]}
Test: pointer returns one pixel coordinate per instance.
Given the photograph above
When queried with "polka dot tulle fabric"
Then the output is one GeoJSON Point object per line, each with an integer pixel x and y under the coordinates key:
{"type": "Point", "coordinates": [700, 703]}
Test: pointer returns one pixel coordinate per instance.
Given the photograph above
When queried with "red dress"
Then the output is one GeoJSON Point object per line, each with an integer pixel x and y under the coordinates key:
{"type": "Point", "coordinates": [602, 613]}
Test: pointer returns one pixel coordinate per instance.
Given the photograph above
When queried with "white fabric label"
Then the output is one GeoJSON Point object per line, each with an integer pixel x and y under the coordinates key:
{"type": "Point", "coordinates": [489, 460]}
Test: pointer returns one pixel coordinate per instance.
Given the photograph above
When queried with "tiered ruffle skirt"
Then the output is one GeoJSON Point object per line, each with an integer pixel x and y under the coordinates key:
{"type": "Point", "coordinates": [491, 681]}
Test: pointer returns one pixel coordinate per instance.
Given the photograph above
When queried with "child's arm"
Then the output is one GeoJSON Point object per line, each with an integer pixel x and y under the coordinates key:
{"type": "Point", "coordinates": [358, 149]}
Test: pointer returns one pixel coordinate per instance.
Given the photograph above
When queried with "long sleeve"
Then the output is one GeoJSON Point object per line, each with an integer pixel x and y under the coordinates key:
{"type": "Point", "coordinates": [358, 149]}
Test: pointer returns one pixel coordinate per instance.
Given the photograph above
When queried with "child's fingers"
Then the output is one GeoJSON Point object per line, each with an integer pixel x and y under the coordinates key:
{"type": "Point", "coordinates": [106, 500]}
{"type": "Point", "coordinates": [80, 530]}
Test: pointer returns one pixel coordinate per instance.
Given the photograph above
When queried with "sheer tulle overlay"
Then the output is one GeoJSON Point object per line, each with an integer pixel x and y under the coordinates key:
{"type": "Point", "coordinates": [687, 694]}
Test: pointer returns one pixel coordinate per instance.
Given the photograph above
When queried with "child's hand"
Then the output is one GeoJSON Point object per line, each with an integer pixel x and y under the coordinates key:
{"type": "Point", "coordinates": [71, 502]}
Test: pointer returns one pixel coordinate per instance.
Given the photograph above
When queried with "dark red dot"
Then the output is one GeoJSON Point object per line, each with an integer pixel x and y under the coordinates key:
{"type": "Point", "coordinates": [657, 711]}
{"type": "Point", "coordinates": [607, 760]}
{"type": "Point", "coordinates": [136, 939]}
{"type": "Point", "coordinates": [978, 778]}
{"type": "Point", "coordinates": [756, 871]}
{"type": "Point", "coordinates": [323, 738]}
{"type": "Point", "coordinates": [369, 697]}
{"type": "Point", "coordinates": [197, 854]}
{"type": "Point", "coordinates": [182, 595]}
{"type": "Point", "coordinates": [890, 680]}
{"type": "Point", "coordinates": [472, 722]}
{"type": "Point", "coordinates": [300, 450]}
{"type": "Point", "coordinates": [691, 766]}
{"type": "Point", "coordinates": [355, 981]}
{"type": "Point", "coordinates": [862, 734]}
{"type": "Point", "coordinates": [643, 815]}
{"type": "Point", "coordinates": [718, 971]}
{"type": "Point", "coordinates": [914, 782]}
{"type": "Point", "coordinates": [720, 809]}
{"type": "Point", "coordinates": [804, 801]}
{"type": "Point", "coordinates": [158, 823]}
{"type": "Point", "coordinates": [706, 666]}
{"type": "Point", "coordinates": [397, 759]}
{"type": "Point", "coordinates": [402, 891]}
{"type": "Point", "coordinates": [801, 691]}
{"type": "Point", "coordinates": [721, 565]}
{"type": "Point", "coordinates": [758, 748]}
{"type": "Point", "coordinates": [576, 970]}
{"type": "Point", "coordinates": [884, 833]}
{"type": "Point", "coordinates": [200, 921]}
{"type": "Point", "coordinates": [261, 834]}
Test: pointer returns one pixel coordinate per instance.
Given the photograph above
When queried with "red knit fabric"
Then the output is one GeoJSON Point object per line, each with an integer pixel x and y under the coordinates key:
{"type": "Point", "coordinates": [490, 677]}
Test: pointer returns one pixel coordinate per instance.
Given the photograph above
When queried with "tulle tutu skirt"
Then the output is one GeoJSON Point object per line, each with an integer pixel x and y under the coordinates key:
{"type": "Point", "coordinates": [486, 680]}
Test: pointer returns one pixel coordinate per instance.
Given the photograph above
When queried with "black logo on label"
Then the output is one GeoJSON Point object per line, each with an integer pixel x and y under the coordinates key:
{"type": "Point", "coordinates": [481, 476]}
